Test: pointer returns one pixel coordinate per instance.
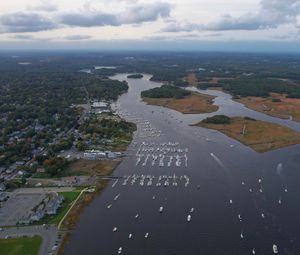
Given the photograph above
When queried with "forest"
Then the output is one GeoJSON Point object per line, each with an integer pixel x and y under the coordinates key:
{"type": "Point", "coordinates": [165, 91]}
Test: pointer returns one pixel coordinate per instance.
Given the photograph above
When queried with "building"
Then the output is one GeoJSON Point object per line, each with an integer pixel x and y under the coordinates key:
{"type": "Point", "coordinates": [100, 105]}
{"type": "Point", "coordinates": [37, 215]}
{"type": "Point", "coordinates": [53, 205]}
{"type": "Point", "coordinates": [2, 186]}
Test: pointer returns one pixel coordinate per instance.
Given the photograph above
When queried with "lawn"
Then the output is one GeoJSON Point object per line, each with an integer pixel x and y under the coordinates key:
{"type": "Point", "coordinates": [92, 167]}
{"type": "Point", "coordinates": [20, 246]}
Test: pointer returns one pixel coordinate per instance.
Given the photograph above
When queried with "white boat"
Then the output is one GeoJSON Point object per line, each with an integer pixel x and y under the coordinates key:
{"type": "Point", "coordinates": [109, 206]}
{"type": "Point", "coordinates": [192, 210]}
{"type": "Point", "coordinates": [279, 201]}
{"type": "Point", "coordinates": [275, 249]}
{"type": "Point", "coordinates": [253, 251]}
{"type": "Point", "coordinates": [189, 217]}
{"type": "Point", "coordinates": [120, 250]}
{"type": "Point", "coordinates": [230, 201]}
{"type": "Point", "coordinates": [240, 217]}
{"type": "Point", "coordinates": [263, 215]}
{"type": "Point", "coordinates": [242, 236]}
{"type": "Point", "coordinates": [285, 190]}
{"type": "Point", "coordinates": [115, 229]}
{"type": "Point", "coordinates": [136, 216]}
{"type": "Point", "coordinates": [130, 236]}
{"type": "Point", "coordinates": [146, 235]}
{"type": "Point", "coordinates": [153, 197]}
{"type": "Point", "coordinates": [116, 197]}
{"type": "Point", "coordinates": [161, 209]}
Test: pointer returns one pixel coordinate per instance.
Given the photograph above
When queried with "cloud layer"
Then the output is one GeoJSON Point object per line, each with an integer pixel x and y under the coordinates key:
{"type": "Point", "coordinates": [272, 14]}
{"type": "Point", "coordinates": [33, 21]}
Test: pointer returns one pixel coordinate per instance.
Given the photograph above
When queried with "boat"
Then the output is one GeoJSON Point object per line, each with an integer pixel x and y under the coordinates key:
{"type": "Point", "coordinates": [279, 201]}
{"type": "Point", "coordinates": [242, 236]}
{"type": "Point", "coordinates": [263, 215]}
{"type": "Point", "coordinates": [240, 218]}
{"type": "Point", "coordinates": [136, 216]}
{"type": "Point", "coordinates": [120, 250]}
{"type": "Point", "coordinates": [285, 190]}
{"type": "Point", "coordinates": [192, 210]}
{"type": "Point", "coordinates": [230, 201]}
{"type": "Point", "coordinates": [275, 249]}
{"type": "Point", "coordinates": [153, 197]}
{"type": "Point", "coordinates": [130, 236]}
{"type": "Point", "coordinates": [116, 197]}
{"type": "Point", "coordinates": [189, 217]}
{"type": "Point", "coordinates": [161, 209]}
{"type": "Point", "coordinates": [109, 206]}
{"type": "Point", "coordinates": [115, 229]}
{"type": "Point", "coordinates": [253, 251]}
{"type": "Point", "coordinates": [146, 235]}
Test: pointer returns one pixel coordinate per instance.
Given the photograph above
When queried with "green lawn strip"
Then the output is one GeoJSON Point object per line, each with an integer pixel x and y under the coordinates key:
{"type": "Point", "coordinates": [20, 246]}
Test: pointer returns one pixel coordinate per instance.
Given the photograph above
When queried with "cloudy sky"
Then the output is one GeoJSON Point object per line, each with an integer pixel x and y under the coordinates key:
{"type": "Point", "coordinates": [162, 24]}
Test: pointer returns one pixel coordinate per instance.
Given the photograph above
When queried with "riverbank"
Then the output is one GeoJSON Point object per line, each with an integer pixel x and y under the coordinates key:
{"type": "Point", "coordinates": [261, 136]}
{"type": "Point", "coordinates": [195, 103]}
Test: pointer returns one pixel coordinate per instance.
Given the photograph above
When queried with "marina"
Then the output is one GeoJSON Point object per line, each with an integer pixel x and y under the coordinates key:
{"type": "Point", "coordinates": [181, 189]}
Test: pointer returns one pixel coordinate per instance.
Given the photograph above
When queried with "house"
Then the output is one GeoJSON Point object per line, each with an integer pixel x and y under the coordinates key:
{"type": "Point", "coordinates": [2, 186]}
{"type": "Point", "coordinates": [53, 204]}
{"type": "Point", "coordinates": [3, 196]}
{"type": "Point", "coordinates": [111, 155]}
{"type": "Point", "coordinates": [25, 221]}
{"type": "Point", "coordinates": [99, 105]}
{"type": "Point", "coordinates": [90, 155]}
{"type": "Point", "coordinates": [37, 215]}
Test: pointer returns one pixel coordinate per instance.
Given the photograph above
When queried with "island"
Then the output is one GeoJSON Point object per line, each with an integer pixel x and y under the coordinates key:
{"type": "Point", "coordinates": [179, 99]}
{"type": "Point", "coordinates": [135, 76]}
{"type": "Point", "coordinates": [275, 97]}
{"type": "Point", "coordinates": [259, 135]}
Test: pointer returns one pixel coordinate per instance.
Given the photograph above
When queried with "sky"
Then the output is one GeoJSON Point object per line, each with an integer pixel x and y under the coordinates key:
{"type": "Point", "coordinates": [245, 25]}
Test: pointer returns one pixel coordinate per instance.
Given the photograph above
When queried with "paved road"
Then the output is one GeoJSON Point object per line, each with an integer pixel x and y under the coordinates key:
{"type": "Point", "coordinates": [43, 190]}
{"type": "Point", "coordinates": [49, 235]}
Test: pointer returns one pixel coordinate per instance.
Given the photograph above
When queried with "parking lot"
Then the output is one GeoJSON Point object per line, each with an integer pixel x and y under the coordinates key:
{"type": "Point", "coordinates": [18, 206]}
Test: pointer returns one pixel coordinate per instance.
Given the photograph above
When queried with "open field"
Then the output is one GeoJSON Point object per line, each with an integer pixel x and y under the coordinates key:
{"type": "Point", "coordinates": [92, 167]}
{"type": "Point", "coordinates": [20, 246]}
{"type": "Point", "coordinates": [285, 108]}
{"type": "Point", "coordinates": [193, 104]}
{"type": "Point", "coordinates": [191, 78]}
{"type": "Point", "coordinates": [259, 135]}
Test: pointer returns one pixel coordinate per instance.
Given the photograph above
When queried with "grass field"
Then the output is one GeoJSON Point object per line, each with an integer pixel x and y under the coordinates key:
{"type": "Point", "coordinates": [284, 109]}
{"type": "Point", "coordinates": [92, 167]}
{"type": "Point", "coordinates": [259, 135]}
{"type": "Point", "coordinates": [20, 246]}
{"type": "Point", "coordinates": [196, 103]}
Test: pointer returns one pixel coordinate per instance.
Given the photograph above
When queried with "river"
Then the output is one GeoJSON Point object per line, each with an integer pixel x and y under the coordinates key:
{"type": "Point", "coordinates": [240, 201]}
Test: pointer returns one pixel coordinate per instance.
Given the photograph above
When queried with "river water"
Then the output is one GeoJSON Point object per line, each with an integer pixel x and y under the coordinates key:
{"type": "Point", "coordinates": [243, 202]}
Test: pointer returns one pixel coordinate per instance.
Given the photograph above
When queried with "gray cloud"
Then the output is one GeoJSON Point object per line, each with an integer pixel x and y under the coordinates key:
{"type": "Point", "coordinates": [24, 22]}
{"type": "Point", "coordinates": [43, 5]}
{"type": "Point", "coordinates": [22, 37]}
{"type": "Point", "coordinates": [77, 37]}
{"type": "Point", "coordinates": [139, 13]}
{"type": "Point", "coordinates": [272, 13]}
